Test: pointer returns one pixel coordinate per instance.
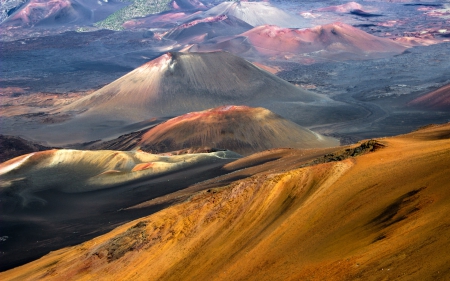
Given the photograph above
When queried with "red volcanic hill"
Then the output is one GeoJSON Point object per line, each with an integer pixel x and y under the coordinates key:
{"type": "Point", "coordinates": [438, 99]}
{"type": "Point", "coordinates": [242, 129]}
{"type": "Point", "coordinates": [197, 31]}
{"type": "Point", "coordinates": [50, 12]}
{"type": "Point", "coordinates": [254, 13]}
{"type": "Point", "coordinates": [337, 40]}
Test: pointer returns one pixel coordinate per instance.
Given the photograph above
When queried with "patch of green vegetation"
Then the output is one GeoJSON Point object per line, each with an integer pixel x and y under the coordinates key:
{"type": "Point", "coordinates": [137, 8]}
{"type": "Point", "coordinates": [85, 29]}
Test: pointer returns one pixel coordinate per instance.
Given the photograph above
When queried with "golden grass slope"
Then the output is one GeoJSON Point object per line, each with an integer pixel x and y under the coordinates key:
{"type": "Point", "coordinates": [379, 216]}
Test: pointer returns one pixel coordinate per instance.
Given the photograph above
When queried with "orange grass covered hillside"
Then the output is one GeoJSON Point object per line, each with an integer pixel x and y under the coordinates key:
{"type": "Point", "coordinates": [382, 215]}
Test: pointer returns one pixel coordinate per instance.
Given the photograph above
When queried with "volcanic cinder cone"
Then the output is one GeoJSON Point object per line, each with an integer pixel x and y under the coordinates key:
{"type": "Point", "coordinates": [337, 40]}
{"type": "Point", "coordinates": [242, 129]}
{"type": "Point", "coordinates": [335, 37]}
{"type": "Point", "coordinates": [174, 84]}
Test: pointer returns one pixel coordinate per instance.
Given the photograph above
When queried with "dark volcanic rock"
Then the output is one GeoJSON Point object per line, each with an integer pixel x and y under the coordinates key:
{"type": "Point", "coordinates": [11, 147]}
{"type": "Point", "coordinates": [362, 13]}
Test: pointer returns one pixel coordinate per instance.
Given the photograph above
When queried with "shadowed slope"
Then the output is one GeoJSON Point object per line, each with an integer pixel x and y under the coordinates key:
{"type": "Point", "coordinates": [338, 41]}
{"type": "Point", "coordinates": [362, 13]}
{"type": "Point", "coordinates": [242, 129]}
{"type": "Point", "coordinates": [382, 215]}
{"type": "Point", "coordinates": [273, 160]}
{"type": "Point", "coordinates": [57, 198]}
{"type": "Point", "coordinates": [75, 171]}
{"type": "Point", "coordinates": [438, 99]}
{"type": "Point", "coordinates": [11, 147]}
{"type": "Point", "coordinates": [350, 7]}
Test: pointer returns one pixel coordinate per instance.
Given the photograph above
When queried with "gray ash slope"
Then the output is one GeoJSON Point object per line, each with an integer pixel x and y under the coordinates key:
{"type": "Point", "coordinates": [177, 83]}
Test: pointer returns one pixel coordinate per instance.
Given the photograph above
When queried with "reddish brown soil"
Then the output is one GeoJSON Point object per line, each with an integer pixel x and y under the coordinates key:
{"type": "Point", "coordinates": [438, 99]}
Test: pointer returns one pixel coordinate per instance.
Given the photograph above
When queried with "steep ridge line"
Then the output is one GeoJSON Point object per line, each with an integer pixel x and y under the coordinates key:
{"type": "Point", "coordinates": [278, 161]}
{"type": "Point", "coordinates": [365, 147]}
{"type": "Point", "coordinates": [339, 155]}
